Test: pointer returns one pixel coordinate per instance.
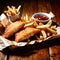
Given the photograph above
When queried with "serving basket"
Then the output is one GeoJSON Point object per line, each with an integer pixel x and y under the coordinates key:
{"type": "Point", "coordinates": [4, 43]}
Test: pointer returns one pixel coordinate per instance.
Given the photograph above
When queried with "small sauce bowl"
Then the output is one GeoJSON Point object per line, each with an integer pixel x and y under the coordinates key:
{"type": "Point", "coordinates": [42, 16]}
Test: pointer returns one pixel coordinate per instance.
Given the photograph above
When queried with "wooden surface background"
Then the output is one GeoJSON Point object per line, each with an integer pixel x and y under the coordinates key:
{"type": "Point", "coordinates": [30, 7]}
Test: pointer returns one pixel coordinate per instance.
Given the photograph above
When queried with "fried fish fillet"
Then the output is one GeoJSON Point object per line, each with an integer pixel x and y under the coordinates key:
{"type": "Point", "coordinates": [25, 34]}
{"type": "Point", "coordinates": [12, 28]}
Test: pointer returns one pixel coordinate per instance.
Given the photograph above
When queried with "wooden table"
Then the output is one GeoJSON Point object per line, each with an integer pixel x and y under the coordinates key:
{"type": "Point", "coordinates": [30, 7]}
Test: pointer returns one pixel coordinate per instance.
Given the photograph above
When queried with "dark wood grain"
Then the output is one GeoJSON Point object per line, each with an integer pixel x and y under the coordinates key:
{"type": "Point", "coordinates": [42, 55]}
{"type": "Point", "coordinates": [55, 50]}
{"type": "Point", "coordinates": [55, 9]}
{"type": "Point", "coordinates": [30, 7]}
{"type": "Point", "coordinates": [56, 57]}
{"type": "Point", "coordinates": [3, 56]}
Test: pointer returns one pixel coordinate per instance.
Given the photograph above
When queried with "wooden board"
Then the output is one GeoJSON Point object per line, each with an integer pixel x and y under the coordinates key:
{"type": "Point", "coordinates": [3, 56]}
{"type": "Point", "coordinates": [30, 7]}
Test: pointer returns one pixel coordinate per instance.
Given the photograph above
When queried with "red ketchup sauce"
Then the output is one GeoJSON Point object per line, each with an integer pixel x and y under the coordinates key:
{"type": "Point", "coordinates": [41, 17]}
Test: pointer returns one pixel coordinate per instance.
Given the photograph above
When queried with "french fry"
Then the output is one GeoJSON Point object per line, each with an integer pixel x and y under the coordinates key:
{"type": "Point", "coordinates": [18, 8]}
{"type": "Point", "coordinates": [37, 37]}
{"type": "Point", "coordinates": [53, 27]}
{"type": "Point", "coordinates": [14, 9]}
{"type": "Point", "coordinates": [41, 37]}
{"type": "Point", "coordinates": [22, 19]}
{"type": "Point", "coordinates": [45, 26]}
{"type": "Point", "coordinates": [43, 33]}
{"type": "Point", "coordinates": [35, 23]}
{"type": "Point", "coordinates": [1, 24]}
{"type": "Point", "coordinates": [51, 30]}
{"type": "Point", "coordinates": [48, 34]}
{"type": "Point", "coordinates": [10, 9]}
{"type": "Point", "coordinates": [31, 19]}
{"type": "Point", "coordinates": [53, 34]}
{"type": "Point", "coordinates": [29, 24]}
{"type": "Point", "coordinates": [7, 12]}
{"type": "Point", "coordinates": [40, 24]}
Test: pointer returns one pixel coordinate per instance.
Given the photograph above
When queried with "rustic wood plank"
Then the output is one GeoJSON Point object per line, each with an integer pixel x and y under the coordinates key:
{"type": "Point", "coordinates": [3, 56]}
{"type": "Point", "coordinates": [42, 6]}
{"type": "Point", "coordinates": [56, 57]}
{"type": "Point", "coordinates": [34, 56]}
{"type": "Point", "coordinates": [41, 55]}
{"type": "Point", "coordinates": [55, 4]}
{"type": "Point", "coordinates": [30, 7]}
{"type": "Point", "coordinates": [12, 57]}
{"type": "Point", "coordinates": [55, 50]}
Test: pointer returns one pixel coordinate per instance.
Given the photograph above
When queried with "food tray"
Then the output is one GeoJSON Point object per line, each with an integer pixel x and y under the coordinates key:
{"type": "Point", "coordinates": [4, 43]}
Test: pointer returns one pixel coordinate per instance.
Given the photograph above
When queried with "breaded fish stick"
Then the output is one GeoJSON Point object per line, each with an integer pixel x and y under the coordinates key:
{"type": "Point", "coordinates": [25, 34]}
{"type": "Point", "coordinates": [12, 28]}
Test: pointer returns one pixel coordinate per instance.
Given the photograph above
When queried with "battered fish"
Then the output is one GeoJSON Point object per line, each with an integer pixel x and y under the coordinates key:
{"type": "Point", "coordinates": [12, 28]}
{"type": "Point", "coordinates": [25, 34]}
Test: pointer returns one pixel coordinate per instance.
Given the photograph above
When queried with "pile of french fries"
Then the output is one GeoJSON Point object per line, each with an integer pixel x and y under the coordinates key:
{"type": "Point", "coordinates": [12, 10]}
{"type": "Point", "coordinates": [46, 30]}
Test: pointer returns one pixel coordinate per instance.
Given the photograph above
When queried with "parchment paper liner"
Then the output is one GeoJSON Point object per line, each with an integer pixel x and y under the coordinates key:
{"type": "Point", "coordinates": [6, 43]}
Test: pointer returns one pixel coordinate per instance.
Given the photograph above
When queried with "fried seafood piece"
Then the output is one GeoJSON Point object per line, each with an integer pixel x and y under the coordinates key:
{"type": "Point", "coordinates": [12, 28]}
{"type": "Point", "coordinates": [26, 33]}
